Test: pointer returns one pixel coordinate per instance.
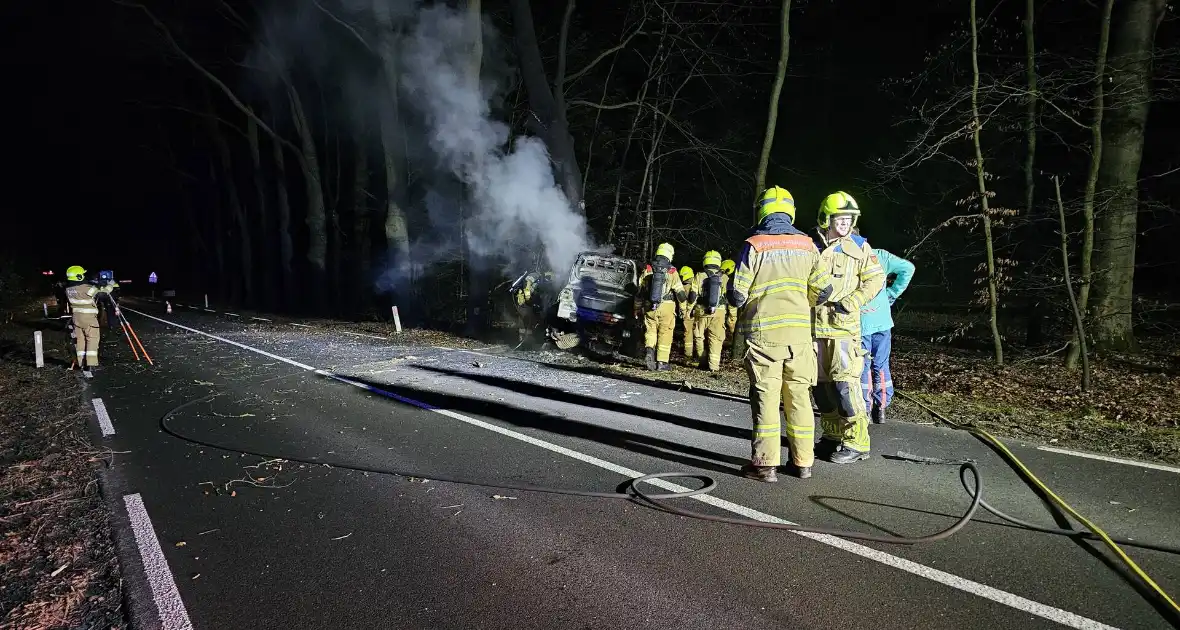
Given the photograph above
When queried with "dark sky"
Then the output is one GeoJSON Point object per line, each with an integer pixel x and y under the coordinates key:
{"type": "Point", "coordinates": [88, 176]}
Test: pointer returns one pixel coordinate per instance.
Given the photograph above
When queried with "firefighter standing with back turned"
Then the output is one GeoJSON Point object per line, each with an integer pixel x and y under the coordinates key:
{"type": "Point", "coordinates": [779, 279]}
{"type": "Point", "coordinates": [709, 288]}
{"type": "Point", "coordinates": [691, 352]}
{"type": "Point", "coordinates": [660, 289]}
{"type": "Point", "coordinates": [857, 277]}
{"type": "Point", "coordinates": [80, 295]}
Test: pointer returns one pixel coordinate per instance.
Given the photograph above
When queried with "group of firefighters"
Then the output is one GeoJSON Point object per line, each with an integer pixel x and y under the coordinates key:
{"type": "Point", "coordinates": [87, 301]}
{"type": "Point", "coordinates": [813, 314]}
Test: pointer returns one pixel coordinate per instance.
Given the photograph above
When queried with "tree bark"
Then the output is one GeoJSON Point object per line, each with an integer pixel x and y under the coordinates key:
{"type": "Point", "coordinates": [1075, 308]}
{"type": "Point", "coordinates": [286, 245]}
{"type": "Point", "coordinates": [263, 222]}
{"type": "Point", "coordinates": [1123, 128]}
{"type": "Point", "coordinates": [242, 288]}
{"type": "Point", "coordinates": [1030, 114]}
{"type": "Point", "coordinates": [395, 225]}
{"type": "Point", "coordinates": [316, 218]}
{"type": "Point", "coordinates": [776, 90]}
{"type": "Point", "coordinates": [361, 239]}
{"type": "Point", "coordinates": [1087, 254]}
{"type": "Point", "coordinates": [985, 212]}
{"type": "Point", "coordinates": [548, 119]}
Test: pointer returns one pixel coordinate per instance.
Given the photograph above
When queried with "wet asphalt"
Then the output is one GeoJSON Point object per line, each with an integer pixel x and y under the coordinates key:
{"type": "Point", "coordinates": [271, 542]}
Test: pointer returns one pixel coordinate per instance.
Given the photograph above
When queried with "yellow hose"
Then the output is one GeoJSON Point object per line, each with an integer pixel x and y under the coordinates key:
{"type": "Point", "coordinates": [1040, 485]}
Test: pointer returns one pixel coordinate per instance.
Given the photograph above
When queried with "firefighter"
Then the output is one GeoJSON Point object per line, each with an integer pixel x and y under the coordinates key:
{"type": "Point", "coordinates": [876, 334]}
{"type": "Point", "coordinates": [709, 288]}
{"type": "Point", "coordinates": [691, 351]}
{"type": "Point", "coordinates": [856, 278]}
{"type": "Point", "coordinates": [105, 298]}
{"type": "Point", "coordinates": [525, 293]}
{"type": "Point", "coordinates": [80, 295]}
{"type": "Point", "coordinates": [731, 313]}
{"type": "Point", "coordinates": [779, 278]}
{"type": "Point", "coordinates": [660, 289]}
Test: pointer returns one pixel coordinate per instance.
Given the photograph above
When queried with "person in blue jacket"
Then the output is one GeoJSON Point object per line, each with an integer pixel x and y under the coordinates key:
{"type": "Point", "coordinates": [876, 329]}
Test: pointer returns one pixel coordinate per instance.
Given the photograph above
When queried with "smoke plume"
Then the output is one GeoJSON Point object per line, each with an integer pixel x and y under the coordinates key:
{"type": "Point", "coordinates": [512, 207]}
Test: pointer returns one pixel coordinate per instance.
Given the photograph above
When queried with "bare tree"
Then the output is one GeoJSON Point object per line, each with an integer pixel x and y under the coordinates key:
{"type": "Point", "coordinates": [1131, 47]}
{"type": "Point", "coordinates": [1030, 119]}
{"type": "Point", "coordinates": [775, 91]}
{"type": "Point", "coordinates": [1075, 307]}
{"type": "Point", "coordinates": [985, 213]}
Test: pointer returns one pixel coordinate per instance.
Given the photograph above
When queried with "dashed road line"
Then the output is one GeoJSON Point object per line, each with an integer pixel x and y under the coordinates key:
{"type": "Point", "coordinates": [260, 319]}
{"type": "Point", "coordinates": [104, 418]}
{"type": "Point", "coordinates": [1058, 615]}
{"type": "Point", "coordinates": [169, 606]}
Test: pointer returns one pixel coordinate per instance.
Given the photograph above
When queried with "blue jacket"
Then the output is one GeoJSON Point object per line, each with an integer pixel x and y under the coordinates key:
{"type": "Point", "coordinates": [876, 315]}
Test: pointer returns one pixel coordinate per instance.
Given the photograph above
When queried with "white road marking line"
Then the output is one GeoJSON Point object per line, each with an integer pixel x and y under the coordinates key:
{"type": "Point", "coordinates": [1107, 458]}
{"type": "Point", "coordinates": [301, 325]}
{"type": "Point", "coordinates": [363, 335]}
{"type": "Point", "coordinates": [261, 319]}
{"type": "Point", "coordinates": [104, 418]}
{"type": "Point", "coordinates": [209, 310]}
{"type": "Point", "coordinates": [233, 314]}
{"type": "Point", "coordinates": [1058, 615]}
{"type": "Point", "coordinates": [169, 606]}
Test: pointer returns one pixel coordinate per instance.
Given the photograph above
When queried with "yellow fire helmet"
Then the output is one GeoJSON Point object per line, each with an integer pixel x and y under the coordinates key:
{"type": "Point", "coordinates": [686, 274]}
{"type": "Point", "coordinates": [75, 273]}
{"type": "Point", "coordinates": [774, 200]}
{"type": "Point", "coordinates": [835, 204]}
{"type": "Point", "coordinates": [712, 257]}
{"type": "Point", "coordinates": [666, 250]}
{"type": "Point", "coordinates": [728, 267]}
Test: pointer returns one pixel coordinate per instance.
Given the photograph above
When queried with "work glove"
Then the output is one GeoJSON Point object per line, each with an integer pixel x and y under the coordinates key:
{"type": "Point", "coordinates": [840, 308]}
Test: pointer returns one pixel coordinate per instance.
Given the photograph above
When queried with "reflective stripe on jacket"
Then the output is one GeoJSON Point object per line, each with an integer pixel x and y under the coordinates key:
{"type": "Point", "coordinates": [81, 297]}
{"type": "Point", "coordinates": [673, 286]}
{"type": "Point", "coordinates": [857, 277]}
{"type": "Point", "coordinates": [778, 280]}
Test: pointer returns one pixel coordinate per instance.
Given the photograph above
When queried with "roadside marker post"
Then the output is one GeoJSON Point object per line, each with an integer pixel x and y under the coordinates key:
{"type": "Point", "coordinates": [397, 320]}
{"type": "Point", "coordinates": [39, 348]}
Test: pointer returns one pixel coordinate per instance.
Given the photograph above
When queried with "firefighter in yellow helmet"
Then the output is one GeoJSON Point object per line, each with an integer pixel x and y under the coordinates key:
{"type": "Point", "coordinates": [778, 281]}
{"type": "Point", "coordinates": [708, 294]}
{"type": "Point", "coordinates": [81, 297]}
{"type": "Point", "coordinates": [727, 268]}
{"type": "Point", "coordinates": [660, 290]}
{"type": "Point", "coordinates": [690, 351]}
{"type": "Point", "coordinates": [857, 277]}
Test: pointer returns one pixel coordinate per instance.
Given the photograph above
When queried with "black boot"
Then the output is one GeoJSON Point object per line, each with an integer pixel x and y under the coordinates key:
{"type": "Point", "coordinates": [663, 366]}
{"type": "Point", "coordinates": [650, 359]}
{"type": "Point", "coordinates": [847, 455]}
{"type": "Point", "coordinates": [764, 474]}
{"type": "Point", "coordinates": [878, 415]}
{"type": "Point", "coordinates": [802, 472]}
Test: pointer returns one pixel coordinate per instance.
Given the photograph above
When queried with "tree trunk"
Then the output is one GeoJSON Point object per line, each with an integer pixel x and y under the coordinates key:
{"type": "Point", "coordinates": [361, 239]}
{"type": "Point", "coordinates": [395, 224]}
{"type": "Point", "coordinates": [475, 274]}
{"type": "Point", "coordinates": [286, 245]}
{"type": "Point", "coordinates": [1131, 46]}
{"type": "Point", "coordinates": [1075, 308]}
{"type": "Point", "coordinates": [242, 287]}
{"type": "Point", "coordinates": [775, 91]}
{"type": "Point", "coordinates": [1030, 114]}
{"type": "Point", "coordinates": [266, 260]}
{"type": "Point", "coordinates": [992, 291]}
{"type": "Point", "coordinates": [1087, 255]}
{"type": "Point", "coordinates": [316, 219]}
{"type": "Point", "coordinates": [548, 120]}
{"type": "Point", "coordinates": [218, 239]}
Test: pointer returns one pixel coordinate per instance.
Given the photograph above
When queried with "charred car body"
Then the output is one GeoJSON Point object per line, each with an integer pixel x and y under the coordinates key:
{"type": "Point", "coordinates": [597, 304]}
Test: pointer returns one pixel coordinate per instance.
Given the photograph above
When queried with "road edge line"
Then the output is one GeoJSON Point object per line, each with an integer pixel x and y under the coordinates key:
{"type": "Point", "coordinates": [1108, 458]}
{"type": "Point", "coordinates": [169, 606]}
{"type": "Point", "coordinates": [104, 418]}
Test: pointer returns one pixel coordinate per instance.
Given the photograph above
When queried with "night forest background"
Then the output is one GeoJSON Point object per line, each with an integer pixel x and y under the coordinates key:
{"type": "Point", "coordinates": [333, 157]}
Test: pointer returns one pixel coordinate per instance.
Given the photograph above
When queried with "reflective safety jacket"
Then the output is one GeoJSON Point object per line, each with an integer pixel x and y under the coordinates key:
{"type": "Point", "coordinates": [522, 294]}
{"type": "Point", "coordinates": [698, 294]}
{"type": "Point", "coordinates": [81, 297]}
{"type": "Point", "coordinates": [779, 279]}
{"type": "Point", "coordinates": [877, 315]}
{"type": "Point", "coordinates": [856, 276]}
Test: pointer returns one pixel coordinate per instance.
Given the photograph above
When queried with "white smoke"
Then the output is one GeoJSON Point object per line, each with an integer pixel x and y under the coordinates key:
{"type": "Point", "coordinates": [516, 199]}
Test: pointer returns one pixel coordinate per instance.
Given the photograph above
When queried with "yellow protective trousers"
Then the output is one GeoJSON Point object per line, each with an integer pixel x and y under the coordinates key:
{"type": "Point", "coordinates": [86, 333]}
{"type": "Point", "coordinates": [838, 396]}
{"type": "Point", "coordinates": [709, 336]}
{"type": "Point", "coordinates": [691, 351]}
{"type": "Point", "coordinates": [659, 326]}
{"type": "Point", "coordinates": [786, 374]}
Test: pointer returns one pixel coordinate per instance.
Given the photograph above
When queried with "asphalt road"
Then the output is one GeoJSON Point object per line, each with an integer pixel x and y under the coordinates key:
{"type": "Point", "coordinates": [249, 542]}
